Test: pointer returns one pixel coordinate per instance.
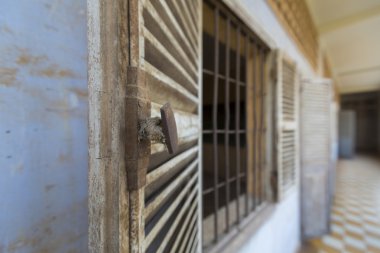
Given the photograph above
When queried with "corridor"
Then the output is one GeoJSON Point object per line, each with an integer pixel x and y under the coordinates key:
{"type": "Point", "coordinates": [356, 210]}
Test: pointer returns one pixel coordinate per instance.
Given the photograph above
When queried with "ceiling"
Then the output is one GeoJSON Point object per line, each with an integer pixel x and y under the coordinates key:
{"type": "Point", "coordinates": [350, 36]}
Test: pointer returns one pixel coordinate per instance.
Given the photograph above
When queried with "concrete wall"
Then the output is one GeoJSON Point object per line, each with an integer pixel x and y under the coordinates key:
{"type": "Point", "coordinates": [43, 129]}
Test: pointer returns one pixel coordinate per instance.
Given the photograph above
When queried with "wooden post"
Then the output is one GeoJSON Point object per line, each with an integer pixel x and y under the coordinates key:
{"type": "Point", "coordinates": [108, 54]}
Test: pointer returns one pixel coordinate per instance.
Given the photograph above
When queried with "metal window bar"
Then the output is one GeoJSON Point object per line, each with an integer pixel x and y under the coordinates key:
{"type": "Point", "coordinates": [215, 121]}
{"type": "Point", "coordinates": [255, 177]}
{"type": "Point", "coordinates": [237, 124]}
{"type": "Point", "coordinates": [227, 122]}
{"type": "Point", "coordinates": [261, 132]}
{"type": "Point", "coordinates": [258, 148]}
{"type": "Point", "coordinates": [238, 132]}
{"type": "Point", "coordinates": [246, 52]}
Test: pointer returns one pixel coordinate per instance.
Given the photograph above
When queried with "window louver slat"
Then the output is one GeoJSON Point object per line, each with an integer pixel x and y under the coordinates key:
{"type": "Point", "coordinates": [164, 195]}
{"type": "Point", "coordinates": [316, 104]}
{"type": "Point", "coordinates": [170, 211]}
{"type": "Point", "coordinates": [187, 237]}
{"type": "Point", "coordinates": [175, 224]}
{"type": "Point", "coordinates": [192, 240]}
{"type": "Point", "coordinates": [316, 148]}
{"type": "Point", "coordinates": [191, 218]}
{"type": "Point", "coordinates": [164, 169]}
{"type": "Point", "coordinates": [170, 56]}
{"type": "Point", "coordinates": [286, 123]}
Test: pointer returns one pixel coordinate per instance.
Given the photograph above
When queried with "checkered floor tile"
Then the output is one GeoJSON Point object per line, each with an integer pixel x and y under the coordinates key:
{"type": "Point", "coordinates": [355, 218]}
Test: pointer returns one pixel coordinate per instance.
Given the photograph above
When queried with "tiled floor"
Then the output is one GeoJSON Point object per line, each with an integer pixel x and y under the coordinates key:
{"type": "Point", "coordinates": [356, 210]}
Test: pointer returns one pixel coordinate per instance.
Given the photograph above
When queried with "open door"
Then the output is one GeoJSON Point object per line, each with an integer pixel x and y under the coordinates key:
{"type": "Point", "coordinates": [315, 157]}
{"type": "Point", "coordinates": [144, 54]}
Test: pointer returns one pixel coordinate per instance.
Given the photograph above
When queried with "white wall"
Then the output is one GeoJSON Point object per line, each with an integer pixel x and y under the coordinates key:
{"type": "Point", "coordinates": [280, 233]}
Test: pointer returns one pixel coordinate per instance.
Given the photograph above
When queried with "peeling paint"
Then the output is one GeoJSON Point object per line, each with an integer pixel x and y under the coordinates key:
{"type": "Point", "coordinates": [71, 251]}
{"type": "Point", "coordinates": [80, 93]}
{"type": "Point", "coordinates": [64, 158]}
{"type": "Point", "coordinates": [26, 58]}
{"type": "Point", "coordinates": [22, 242]}
{"type": "Point", "coordinates": [19, 168]}
{"type": "Point", "coordinates": [8, 76]}
{"type": "Point", "coordinates": [6, 29]}
{"type": "Point", "coordinates": [54, 71]}
{"type": "Point", "coordinates": [32, 241]}
{"type": "Point", "coordinates": [52, 28]}
{"type": "Point", "coordinates": [44, 114]}
{"type": "Point", "coordinates": [48, 187]}
{"type": "Point", "coordinates": [38, 242]}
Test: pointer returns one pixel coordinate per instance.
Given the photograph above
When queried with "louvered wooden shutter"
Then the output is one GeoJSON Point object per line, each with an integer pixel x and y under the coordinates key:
{"type": "Point", "coordinates": [168, 50]}
{"type": "Point", "coordinates": [315, 156]}
{"type": "Point", "coordinates": [286, 118]}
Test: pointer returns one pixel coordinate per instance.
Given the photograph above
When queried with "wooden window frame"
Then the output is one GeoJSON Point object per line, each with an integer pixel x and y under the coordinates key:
{"type": "Point", "coordinates": [107, 175]}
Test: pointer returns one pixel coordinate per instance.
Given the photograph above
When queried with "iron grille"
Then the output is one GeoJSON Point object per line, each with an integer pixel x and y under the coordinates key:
{"type": "Point", "coordinates": [234, 122]}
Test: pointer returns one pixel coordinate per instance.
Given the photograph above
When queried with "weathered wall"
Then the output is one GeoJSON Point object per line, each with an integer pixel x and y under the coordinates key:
{"type": "Point", "coordinates": [43, 112]}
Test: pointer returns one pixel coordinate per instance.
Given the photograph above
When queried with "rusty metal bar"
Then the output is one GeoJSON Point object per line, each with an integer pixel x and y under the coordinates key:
{"type": "Point", "coordinates": [215, 121]}
{"type": "Point", "coordinates": [227, 123]}
{"type": "Point", "coordinates": [246, 52]}
{"type": "Point", "coordinates": [258, 132]}
{"type": "Point", "coordinates": [237, 123]}
{"type": "Point", "coordinates": [261, 124]}
{"type": "Point", "coordinates": [262, 134]}
{"type": "Point", "coordinates": [222, 131]}
{"type": "Point", "coordinates": [254, 127]}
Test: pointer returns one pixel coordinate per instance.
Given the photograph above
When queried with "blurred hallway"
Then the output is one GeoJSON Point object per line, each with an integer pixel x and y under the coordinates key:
{"type": "Point", "coordinates": [356, 210]}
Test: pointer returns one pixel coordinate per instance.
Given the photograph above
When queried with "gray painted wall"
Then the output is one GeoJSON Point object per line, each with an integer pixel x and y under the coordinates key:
{"type": "Point", "coordinates": [43, 126]}
{"type": "Point", "coordinates": [347, 126]}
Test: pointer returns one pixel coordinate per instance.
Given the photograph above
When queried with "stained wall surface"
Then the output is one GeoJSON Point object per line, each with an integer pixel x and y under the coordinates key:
{"type": "Point", "coordinates": [43, 126]}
